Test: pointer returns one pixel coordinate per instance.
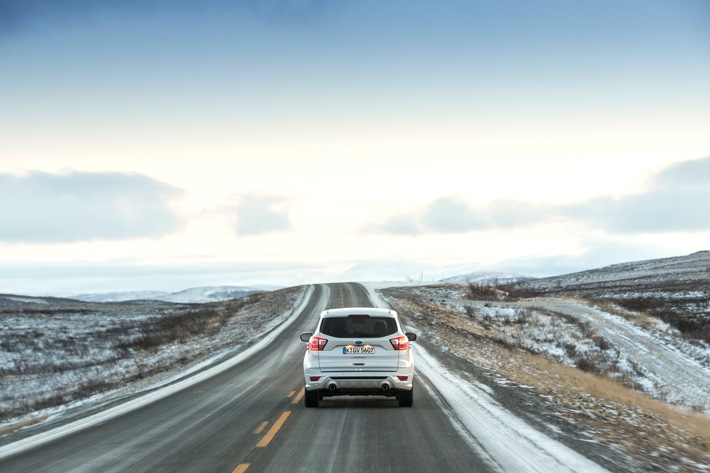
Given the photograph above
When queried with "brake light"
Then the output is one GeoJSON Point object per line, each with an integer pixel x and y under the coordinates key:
{"type": "Point", "coordinates": [400, 343]}
{"type": "Point", "coordinates": [317, 343]}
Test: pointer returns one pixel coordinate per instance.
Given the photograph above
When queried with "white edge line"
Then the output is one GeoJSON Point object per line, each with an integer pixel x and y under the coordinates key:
{"type": "Point", "coordinates": [81, 424]}
{"type": "Point", "coordinates": [493, 432]}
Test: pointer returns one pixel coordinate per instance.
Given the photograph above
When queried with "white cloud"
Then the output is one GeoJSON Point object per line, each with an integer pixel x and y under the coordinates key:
{"type": "Point", "coordinates": [262, 214]}
{"type": "Point", "coordinates": [457, 215]}
{"type": "Point", "coordinates": [694, 173]}
{"type": "Point", "coordinates": [452, 215]}
{"type": "Point", "coordinates": [675, 202]}
{"type": "Point", "coordinates": [39, 207]}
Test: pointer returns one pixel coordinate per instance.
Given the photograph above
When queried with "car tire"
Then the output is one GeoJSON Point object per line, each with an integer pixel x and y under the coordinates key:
{"type": "Point", "coordinates": [405, 398]}
{"type": "Point", "coordinates": [311, 398]}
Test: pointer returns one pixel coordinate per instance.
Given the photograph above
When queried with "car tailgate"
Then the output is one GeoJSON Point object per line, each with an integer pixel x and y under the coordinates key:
{"type": "Point", "coordinates": [352, 355]}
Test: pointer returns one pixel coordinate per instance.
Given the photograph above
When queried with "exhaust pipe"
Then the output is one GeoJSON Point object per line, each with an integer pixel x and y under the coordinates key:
{"type": "Point", "coordinates": [332, 387]}
{"type": "Point", "coordinates": [385, 387]}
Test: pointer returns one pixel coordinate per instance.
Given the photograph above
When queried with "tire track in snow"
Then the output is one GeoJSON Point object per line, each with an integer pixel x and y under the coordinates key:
{"type": "Point", "coordinates": [681, 379]}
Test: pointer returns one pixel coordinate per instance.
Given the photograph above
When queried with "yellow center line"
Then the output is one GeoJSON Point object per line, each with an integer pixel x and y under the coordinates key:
{"type": "Point", "coordinates": [291, 393]}
{"type": "Point", "coordinates": [261, 427]}
{"type": "Point", "coordinates": [241, 468]}
{"type": "Point", "coordinates": [298, 398]}
{"type": "Point", "coordinates": [266, 439]}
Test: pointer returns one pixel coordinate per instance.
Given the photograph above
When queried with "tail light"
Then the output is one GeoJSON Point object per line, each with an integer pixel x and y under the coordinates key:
{"type": "Point", "coordinates": [317, 343]}
{"type": "Point", "coordinates": [400, 343]}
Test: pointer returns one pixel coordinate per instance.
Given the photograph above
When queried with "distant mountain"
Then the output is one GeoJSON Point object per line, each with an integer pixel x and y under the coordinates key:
{"type": "Point", "coordinates": [487, 277]}
{"type": "Point", "coordinates": [192, 295]}
{"type": "Point", "coordinates": [121, 296]}
{"type": "Point", "coordinates": [209, 294]}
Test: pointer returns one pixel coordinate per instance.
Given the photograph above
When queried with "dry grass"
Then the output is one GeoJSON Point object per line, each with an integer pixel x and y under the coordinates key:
{"type": "Point", "coordinates": [644, 427]}
{"type": "Point", "coordinates": [8, 429]}
{"type": "Point", "coordinates": [640, 318]}
{"type": "Point", "coordinates": [657, 435]}
{"type": "Point", "coordinates": [60, 356]}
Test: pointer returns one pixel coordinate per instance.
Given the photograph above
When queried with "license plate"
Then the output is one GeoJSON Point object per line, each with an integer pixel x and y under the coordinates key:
{"type": "Point", "coordinates": [358, 350]}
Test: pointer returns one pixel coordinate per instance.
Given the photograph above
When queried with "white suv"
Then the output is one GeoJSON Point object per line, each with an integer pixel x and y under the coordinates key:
{"type": "Point", "coordinates": [358, 351]}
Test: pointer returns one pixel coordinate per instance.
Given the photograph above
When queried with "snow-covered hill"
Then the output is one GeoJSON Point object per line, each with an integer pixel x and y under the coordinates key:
{"type": "Point", "coordinates": [54, 352]}
{"type": "Point", "coordinates": [579, 360]}
{"type": "Point", "coordinates": [676, 290]}
{"type": "Point", "coordinates": [638, 278]}
{"type": "Point", "coordinates": [487, 278]}
{"type": "Point", "coordinates": [120, 296]}
{"type": "Point", "coordinates": [192, 295]}
{"type": "Point", "coordinates": [560, 364]}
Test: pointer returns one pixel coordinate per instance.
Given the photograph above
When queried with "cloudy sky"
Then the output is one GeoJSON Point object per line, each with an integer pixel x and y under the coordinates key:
{"type": "Point", "coordinates": [167, 144]}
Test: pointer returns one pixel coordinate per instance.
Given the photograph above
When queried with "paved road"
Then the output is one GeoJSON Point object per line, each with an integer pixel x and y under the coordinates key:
{"type": "Point", "coordinates": [252, 418]}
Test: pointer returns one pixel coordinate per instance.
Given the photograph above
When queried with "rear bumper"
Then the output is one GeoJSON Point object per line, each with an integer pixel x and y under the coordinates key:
{"type": "Point", "coordinates": [359, 384]}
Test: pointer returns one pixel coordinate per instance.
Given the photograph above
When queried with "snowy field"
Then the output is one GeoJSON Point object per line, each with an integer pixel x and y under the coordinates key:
{"type": "Point", "coordinates": [57, 355]}
{"type": "Point", "coordinates": [640, 352]}
{"type": "Point", "coordinates": [563, 383]}
{"type": "Point", "coordinates": [608, 379]}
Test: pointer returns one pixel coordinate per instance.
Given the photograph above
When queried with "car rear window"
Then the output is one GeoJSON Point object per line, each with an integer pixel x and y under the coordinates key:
{"type": "Point", "coordinates": [360, 327]}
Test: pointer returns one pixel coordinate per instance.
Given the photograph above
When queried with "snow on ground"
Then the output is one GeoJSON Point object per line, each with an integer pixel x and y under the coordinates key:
{"type": "Point", "coordinates": [681, 271]}
{"type": "Point", "coordinates": [59, 357]}
{"type": "Point", "coordinates": [651, 355]}
{"type": "Point", "coordinates": [192, 295]}
{"type": "Point", "coordinates": [505, 441]}
{"type": "Point", "coordinates": [509, 442]}
{"type": "Point", "coordinates": [170, 385]}
{"type": "Point", "coordinates": [667, 372]}
{"type": "Point", "coordinates": [488, 278]}
{"type": "Point", "coordinates": [555, 370]}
